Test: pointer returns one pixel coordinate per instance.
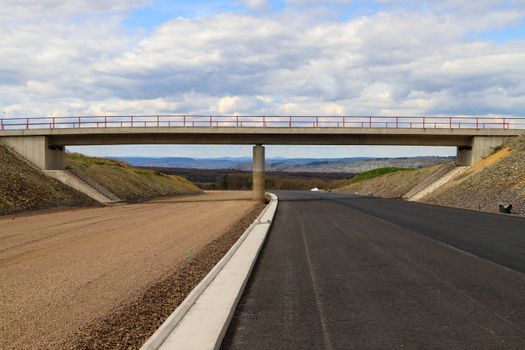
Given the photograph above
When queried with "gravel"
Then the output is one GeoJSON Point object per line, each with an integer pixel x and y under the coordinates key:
{"type": "Point", "coordinates": [24, 188]}
{"type": "Point", "coordinates": [63, 273]}
{"type": "Point", "coordinates": [501, 182]}
{"type": "Point", "coordinates": [131, 324]}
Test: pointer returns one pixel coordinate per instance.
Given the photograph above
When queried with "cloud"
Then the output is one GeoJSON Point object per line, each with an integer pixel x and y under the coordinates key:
{"type": "Point", "coordinates": [14, 10]}
{"type": "Point", "coordinates": [256, 4]}
{"type": "Point", "coordinates": [402, 61]}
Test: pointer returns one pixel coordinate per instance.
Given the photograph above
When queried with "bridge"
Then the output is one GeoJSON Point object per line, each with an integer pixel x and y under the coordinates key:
{"type": "Point", "coordinates": [42, 141]}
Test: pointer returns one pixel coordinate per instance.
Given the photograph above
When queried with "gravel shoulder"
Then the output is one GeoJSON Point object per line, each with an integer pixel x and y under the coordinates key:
{"type": "Point", "coordinates": [69, 275]}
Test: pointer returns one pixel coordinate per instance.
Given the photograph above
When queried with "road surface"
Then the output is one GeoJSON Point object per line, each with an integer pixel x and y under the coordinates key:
{"type": "Point", "coordinates": [346, 272]}
{"type": "Point", "coordinates": [62, 270]}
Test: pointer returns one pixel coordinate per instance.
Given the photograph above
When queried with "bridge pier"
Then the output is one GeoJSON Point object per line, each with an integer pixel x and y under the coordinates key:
{"type": "Point", "coordinates": [479, 148]}
{"type": "Point", "coordinates": [36, 150]}
{"type": "Point", "coordinates": [258, 173]}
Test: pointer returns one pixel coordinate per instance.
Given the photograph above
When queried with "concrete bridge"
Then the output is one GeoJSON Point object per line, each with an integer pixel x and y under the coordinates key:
{"type": "Point", "coordinates": [42, 141]}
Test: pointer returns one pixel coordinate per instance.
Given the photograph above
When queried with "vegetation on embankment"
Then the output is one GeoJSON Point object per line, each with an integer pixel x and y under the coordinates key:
{"type": "Point", "coordinates": [130, 183]}
{"type": "Point", "coordinates": [25, 188]}
{"type": "Point", "coordinates": [388, 182]}
{"type": "Point", "coordinates": [498, 179]}
{"type": "Point", "coordinates": [370, 174]}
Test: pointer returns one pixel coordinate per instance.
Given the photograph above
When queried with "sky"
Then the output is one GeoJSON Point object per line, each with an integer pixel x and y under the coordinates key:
{"type": "Point", "coordinates": [264, 57]}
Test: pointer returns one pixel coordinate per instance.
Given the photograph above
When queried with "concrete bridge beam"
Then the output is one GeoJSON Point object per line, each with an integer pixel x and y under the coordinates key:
{"type": "Point", "coordinates": [36, 150]}
{"type": "Point", "coordinates": [479, 148]}
{"type": "Point", "coordinates": [258, 168]}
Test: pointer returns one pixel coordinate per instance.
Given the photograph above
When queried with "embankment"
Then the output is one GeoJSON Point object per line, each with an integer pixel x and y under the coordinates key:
{"type": "Point", "coordinates": [23, 187]}
{"type": "Point", "coordinates": [500, 178]}
{"type": "Point", "coordinates": [130, 183]}
{"type": "Point", "coordinates": [392, 184]}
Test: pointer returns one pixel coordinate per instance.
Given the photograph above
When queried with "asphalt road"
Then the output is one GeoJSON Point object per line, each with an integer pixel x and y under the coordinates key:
{"type": "Point", "coordinates": [344, 272]}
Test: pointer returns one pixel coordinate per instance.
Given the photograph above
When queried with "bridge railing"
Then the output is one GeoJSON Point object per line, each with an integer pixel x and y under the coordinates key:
{"type": "Point", "coordinates": [196, 121]}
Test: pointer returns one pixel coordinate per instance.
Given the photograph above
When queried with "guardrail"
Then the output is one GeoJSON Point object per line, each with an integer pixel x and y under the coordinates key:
{"type": "Point", "coordinates": [195, 121]}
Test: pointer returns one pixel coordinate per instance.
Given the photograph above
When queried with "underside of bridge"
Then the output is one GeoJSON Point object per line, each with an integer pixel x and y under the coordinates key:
{"type": "Point", "coordinates": [47, 150]}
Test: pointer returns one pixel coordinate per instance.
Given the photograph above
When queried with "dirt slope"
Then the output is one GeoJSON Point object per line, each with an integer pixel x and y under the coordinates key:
{"type": "Point", "coordinates": [500, 178]}
{"type": "Point", "coordinates": [24, 188]}
{"type": "Point", "coordinates": [393, 185]}
{"type": "Point", "coordinates": [130, 183]}
{"type": "Point", "coordinates": [498, 181]}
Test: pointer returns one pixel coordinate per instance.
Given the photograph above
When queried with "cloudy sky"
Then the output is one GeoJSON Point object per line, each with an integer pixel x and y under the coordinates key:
{"type": "Point", "coordinates": [273, 57]}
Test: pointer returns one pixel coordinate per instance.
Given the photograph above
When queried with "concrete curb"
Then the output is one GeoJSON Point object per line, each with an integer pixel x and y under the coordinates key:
{"type": "Point", "coordinates": [201, 320]}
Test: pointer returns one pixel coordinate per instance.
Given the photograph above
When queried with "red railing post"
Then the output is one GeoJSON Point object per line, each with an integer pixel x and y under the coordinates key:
{"type": "Point", "coordinates": [210, 121]}
{"type": "Point", "coordinates": [477, 122]}
{"type": "Point", "coordinates": [397, 122]}
{"type": "Point", "coordinates": [158, 121]}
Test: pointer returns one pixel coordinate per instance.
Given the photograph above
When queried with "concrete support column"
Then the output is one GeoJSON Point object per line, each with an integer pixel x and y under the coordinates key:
{"type": "Point", "coordinates": [479, 148]}
{"type": "Point", "coordinates": [258, 173]}
{"type": "Point", "coordinates": [36, 149]}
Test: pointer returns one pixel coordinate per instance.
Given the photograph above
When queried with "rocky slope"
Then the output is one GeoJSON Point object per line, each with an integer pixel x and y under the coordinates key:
{"type": "Point", "coordinates": [500, 182]}
{"type": "Point", "coordinates": [500, 178]}
{"type": "Point", "coordinates": [24, 188]}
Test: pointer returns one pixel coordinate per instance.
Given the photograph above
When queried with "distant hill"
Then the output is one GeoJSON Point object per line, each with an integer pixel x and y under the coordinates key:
{"type": "Point", "coordinates": [182, 162]}
{"type": "Point", "coordinates": [321, 165]}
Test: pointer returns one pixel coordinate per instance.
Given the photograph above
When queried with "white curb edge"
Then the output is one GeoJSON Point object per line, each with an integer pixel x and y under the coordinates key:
{"type": "Point", "coordinates": [162, 333]}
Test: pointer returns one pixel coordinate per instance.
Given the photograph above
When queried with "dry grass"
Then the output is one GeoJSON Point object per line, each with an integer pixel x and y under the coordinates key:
{"type": "Point", "coordinates": [130, 183]}
{"type": "Point", "coordinates": [391, 185]}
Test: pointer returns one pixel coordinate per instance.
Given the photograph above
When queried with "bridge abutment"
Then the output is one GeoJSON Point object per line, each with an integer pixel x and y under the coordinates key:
{"type": "Point", "coordinates": [36, 149]}
{"type": "Point", "coordinates": [480, 147]}
{"type": "Point", "coordinates": [258, 168]}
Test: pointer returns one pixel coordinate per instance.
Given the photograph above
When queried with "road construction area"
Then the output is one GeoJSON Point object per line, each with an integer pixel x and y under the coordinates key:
{"type": "Point", "coordinates": [62, 271]}
{"type": "Point", "coordinates": [347, 272]}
